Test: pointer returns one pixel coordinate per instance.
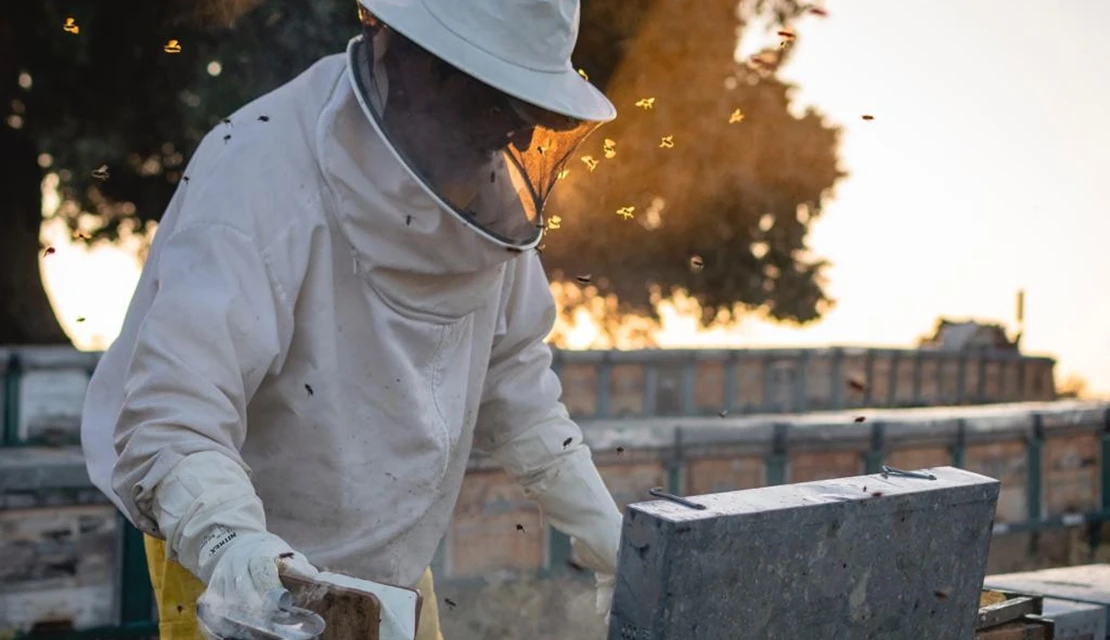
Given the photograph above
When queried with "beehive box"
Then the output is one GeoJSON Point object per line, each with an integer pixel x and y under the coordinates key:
{"type": "Point", "coordinates": [1088, 584]}
{"type": "Point", "coordinates": [829, 559]}
{"type": "Point", "coordinates": [495, 528]}
{"type": "Point", "coordinates": [59, 542]}
{"type": "Point", "coordinates": [697, 455]}
{"type": "Point", "coordinates": [1076, 620]}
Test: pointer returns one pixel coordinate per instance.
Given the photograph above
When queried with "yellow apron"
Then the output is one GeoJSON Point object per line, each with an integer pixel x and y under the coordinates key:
{"type": "Point", "coordinates": [176, 591]}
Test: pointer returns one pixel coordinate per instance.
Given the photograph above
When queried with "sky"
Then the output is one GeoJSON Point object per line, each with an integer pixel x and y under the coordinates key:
{"type": "Point", "coordinates": [977, 177]}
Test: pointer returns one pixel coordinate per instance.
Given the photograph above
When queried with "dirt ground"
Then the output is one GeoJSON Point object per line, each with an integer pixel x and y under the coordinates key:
{"type": "Point", "coordinates": [520, 609]}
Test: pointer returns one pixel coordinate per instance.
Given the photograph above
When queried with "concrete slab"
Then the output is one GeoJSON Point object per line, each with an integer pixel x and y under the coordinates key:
{"type": "Point", "coordinates": [851, 558]}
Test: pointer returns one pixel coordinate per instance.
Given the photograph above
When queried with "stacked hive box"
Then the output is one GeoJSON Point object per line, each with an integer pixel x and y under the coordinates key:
{"type": "Point", "coordinates": [65, 537]}
{"type": "Point", "coordinates": [59, 540]}
{"type": "Point", "coordinates": [602, 384]}
{"type": "Point", "coordinates": [1046, 455]}
{"type": "Point", "coordinates": [43, 388]}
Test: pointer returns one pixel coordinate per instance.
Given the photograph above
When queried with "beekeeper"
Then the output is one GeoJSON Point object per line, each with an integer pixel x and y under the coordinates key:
{"type": "Point", "coordinates": [341, 302]}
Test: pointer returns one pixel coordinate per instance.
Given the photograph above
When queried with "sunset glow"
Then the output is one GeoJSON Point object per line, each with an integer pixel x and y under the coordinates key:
{"type": "Point", "coordinates": [979, 172]}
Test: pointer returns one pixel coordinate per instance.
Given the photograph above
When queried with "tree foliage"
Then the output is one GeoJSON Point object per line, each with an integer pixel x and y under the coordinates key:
{"type": "Point", "coordinates": [1073, 386]}
{"type": "Point", "coordinates": [723, 213]}
{"type": "Point", "coordinates": [110, 94]}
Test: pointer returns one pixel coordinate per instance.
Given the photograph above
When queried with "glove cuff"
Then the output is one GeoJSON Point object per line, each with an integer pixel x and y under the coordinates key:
{"type": "Point", "coordinates": [202, 506]}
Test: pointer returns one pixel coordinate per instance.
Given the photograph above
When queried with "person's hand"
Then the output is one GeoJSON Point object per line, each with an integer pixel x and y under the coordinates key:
{"type": "Point", "coordinates": [244, 573]}
{"type": "Point", "coordinates": [559, 474]}
{"type": "Point", "coordinates": [604, 566]}
{"type": "Point", "coordinates": [215, 526]}
{"type": "Point", "coordinates": [604, 601]}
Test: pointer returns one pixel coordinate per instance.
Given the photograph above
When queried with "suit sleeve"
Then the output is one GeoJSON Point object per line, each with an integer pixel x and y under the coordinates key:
{"type": "Point", "coordinates": [217, 324]}
{"type": "Point", "coordinates": [526, 429]}
{"type": "Point", "coordinates": [520, 402]}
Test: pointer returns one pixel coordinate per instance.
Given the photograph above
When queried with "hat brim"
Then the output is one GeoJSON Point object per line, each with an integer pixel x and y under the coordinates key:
{"type": "Point", "coordinates": [564, 92]}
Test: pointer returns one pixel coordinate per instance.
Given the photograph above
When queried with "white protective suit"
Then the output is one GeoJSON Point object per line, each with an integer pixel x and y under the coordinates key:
{"type": "Point", "coordinates": [308, 312]}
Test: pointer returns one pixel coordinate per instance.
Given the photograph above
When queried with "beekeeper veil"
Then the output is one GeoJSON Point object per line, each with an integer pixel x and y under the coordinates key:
{"type": "Point", "coordinates": [479, 101]}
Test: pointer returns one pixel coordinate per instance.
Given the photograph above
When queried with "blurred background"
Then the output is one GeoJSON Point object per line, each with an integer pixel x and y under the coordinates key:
{"type": "Point", "coordinates": [858, 173]}
{"type": "Point", "coordinates": [844, 176]}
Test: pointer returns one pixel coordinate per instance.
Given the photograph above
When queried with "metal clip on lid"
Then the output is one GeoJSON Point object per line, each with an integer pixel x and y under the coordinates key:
{"type": "Point", "coordinates": [891, 471]}
{"type": "Point", "coordinates": [659, 493]}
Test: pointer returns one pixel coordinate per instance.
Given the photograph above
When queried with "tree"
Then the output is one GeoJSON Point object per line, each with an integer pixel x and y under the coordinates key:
{"type": "Point", "coordinates": [1072, 386]}
{"type": "Point", "coordinates": [723, 213]}
{"type": "Point", "coordinates": [98, 84]}
{"type": "Point", "coordinates": [108, 89]}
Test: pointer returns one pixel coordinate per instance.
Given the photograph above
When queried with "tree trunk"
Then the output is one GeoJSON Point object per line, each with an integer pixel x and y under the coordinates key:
{"type": "Point", "coordinates": [26, 316]}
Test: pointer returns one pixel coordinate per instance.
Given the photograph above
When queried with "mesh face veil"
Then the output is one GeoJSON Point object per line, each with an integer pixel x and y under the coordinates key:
{"type": "Point", "coordinates": [488, 158]}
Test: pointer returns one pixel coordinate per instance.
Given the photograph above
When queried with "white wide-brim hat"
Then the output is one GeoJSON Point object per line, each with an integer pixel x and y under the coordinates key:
{"type": "Point", "coordinates": [521, 47]}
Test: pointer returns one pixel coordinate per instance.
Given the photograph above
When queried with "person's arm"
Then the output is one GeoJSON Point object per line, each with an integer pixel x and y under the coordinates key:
{"type": "Point", "coordinates": [205, 344]}
{"type": "Point", "coordinates": [218, 323]}
{"type": "Point", "coordinates": [526, 429]}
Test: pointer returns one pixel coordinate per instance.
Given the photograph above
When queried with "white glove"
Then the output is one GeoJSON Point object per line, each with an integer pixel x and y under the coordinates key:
{"type": "Point", "coordinates": [575, 501]}
{"type": "Point", "coordinates": [604, 578]}
{"type": "Point", "coordinates": [215, 527]}
{"type": "Point", "coordinates": [604, 603]}
{"type": "Point", "coordinates": [556, 470]}
{"type": "Point", "coordinates": [245, 575]}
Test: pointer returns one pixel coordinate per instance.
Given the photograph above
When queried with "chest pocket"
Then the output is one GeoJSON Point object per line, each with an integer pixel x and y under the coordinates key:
{"type": "Point", "coordinates": [424, 332]}
{"type": "Point", "coordinates": [437, 298]}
